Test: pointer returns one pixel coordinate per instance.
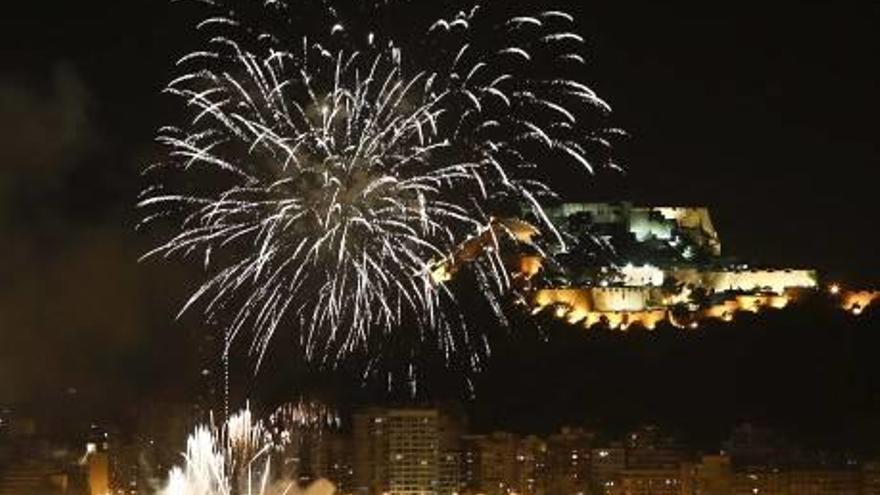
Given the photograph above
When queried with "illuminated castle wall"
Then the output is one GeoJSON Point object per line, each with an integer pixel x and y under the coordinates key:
{"type": "Point", "coordinates": [601, 299]}
{"type": "Point", "coordinates": [857, 301]}
{"type": "Point", "coordinates": [775, 281]}
{"type": "Point", "coordinates": [745, 302]}
{"type": "Point", "coordinates": [618, 307]}
{"type": "Point", "coordinates": [650, 222]}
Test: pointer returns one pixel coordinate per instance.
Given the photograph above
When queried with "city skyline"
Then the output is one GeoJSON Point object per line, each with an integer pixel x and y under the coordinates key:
{"type": "Point", "coordinates": [432, 450]}
{"type": "Point", "coordinates": [761, 117]}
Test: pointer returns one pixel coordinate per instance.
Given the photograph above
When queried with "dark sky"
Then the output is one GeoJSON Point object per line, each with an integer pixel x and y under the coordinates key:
{"type": "Point", "coordinates": [766, 114]}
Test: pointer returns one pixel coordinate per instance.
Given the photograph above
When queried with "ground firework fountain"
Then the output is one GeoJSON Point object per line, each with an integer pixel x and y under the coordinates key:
{"type": "Point", "coordinates": [247, 456]}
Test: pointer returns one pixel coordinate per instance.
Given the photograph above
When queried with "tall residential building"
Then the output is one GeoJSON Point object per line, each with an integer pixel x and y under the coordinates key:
{"type": "Point", "coordinates": [336, 461]}
{"type": "Point", "coordinates": [824, 481]}
{"type": "Point", "coordinates": [568, 461]}
{"type": "Point", "coordinates": [491, 463]}
{"type": "Point", "coordinates": [871, 478]}
{"type": "Point", "coordinates": [710, 475]}
{"type": "Point", "coordinates": [714, 476]}
{"type": "Point", "coordinates": [750, 445]}
{"type": "Point", "coordinates": [452, 425]}
{"type": "Point", "coordinates": [531, 466]}
{"type": "Point", "coordinates": [760, 481]}
{"type": "Point", "coordinates": [312, 452]}
{"type": "Point", "coordinates": [658, 481]}
{"type": "Point", "coordinates": [449, 480]}
{"type": "Point", "coordinates": [124, 466]}
{"type": "Point", "coordinates": [502, 463]}
{"type": "Point", "coordinates": [405, 452]}
{"type": "Point", "coordinates": [648, 448]}
{"type": "Point", "coordinates": [606, 466]}
{"type": "Point", "coordinates": [370, 451]}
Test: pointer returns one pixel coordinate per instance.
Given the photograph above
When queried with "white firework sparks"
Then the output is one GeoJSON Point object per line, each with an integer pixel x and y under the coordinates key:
{"type": "Point", "coordinates": [322, 172]}
{"type": "Point", "coordinates": [304, 415]}
{"type": "Point", "coordinates": [238, 457]}
{"type": "Point", "coordinates": [233, 459]}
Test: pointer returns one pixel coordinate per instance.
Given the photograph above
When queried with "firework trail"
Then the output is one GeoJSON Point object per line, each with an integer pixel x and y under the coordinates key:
{"type": "Point", "coordinates": [324, 167]}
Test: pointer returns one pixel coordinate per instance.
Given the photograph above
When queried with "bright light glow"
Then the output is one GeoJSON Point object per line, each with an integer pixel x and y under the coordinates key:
{"type": "Point", "coordinates": [850, 300]}
{"type": "Point", "coordinates": [641, 275]}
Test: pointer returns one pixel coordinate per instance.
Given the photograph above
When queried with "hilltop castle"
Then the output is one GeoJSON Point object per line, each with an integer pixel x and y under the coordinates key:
{"type": "Point", "coordinates": [626, 264]}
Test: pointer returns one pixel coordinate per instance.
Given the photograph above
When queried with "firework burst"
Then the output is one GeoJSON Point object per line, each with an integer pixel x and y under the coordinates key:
{"type": "Point", "coordinates": [324, 168]}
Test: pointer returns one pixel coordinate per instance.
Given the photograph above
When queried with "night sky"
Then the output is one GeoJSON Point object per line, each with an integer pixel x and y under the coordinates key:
{"type": "Point", "coordinates": [768, 115]}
